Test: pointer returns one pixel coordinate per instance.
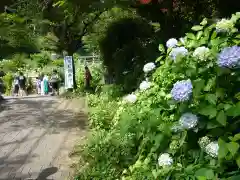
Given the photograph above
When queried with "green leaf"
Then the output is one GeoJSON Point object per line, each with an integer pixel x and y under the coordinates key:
{"type": "Point", "coordinates": [220, 93]}
{"type": "Point", "coordinates": [161, 48]}
{"type": "Point", "coordinates": [159, 59]}
{"type": "Point", "coordinates": [238, 161]}
{"type": "Point", "coordinates": [233, 148]}
{"type": "Point", "coordinates": [197, 28]}
{"type": "Point", "coordinates": [191, 36]}
{"type": "Point", "coordinates": [210, 111]}
{"type": "Point", "coordinates": [234, 110]}
{"type": "Point", "coordinates": [204, 172]}
{"type": "Point", "coordinates": [210, 84]}
{"type": "Point", "coordinates": [214, 35]}
{"type": "Point", "coordinates": [199, 35]}
{"type": "Point", "coordinates": [223, 150]}
{"type": "Point", "coordinates": [235, 177]}
{"type": "Point", "coordinates": [227, 106]}
{"type": "Point", "coordinates": [221, 118]}
{"type": "Point", "coordinates": [212, 125]}
{"type": "Point", "coordinates": [198, 86]}
{"type": "Point", "coordinates": [211, 98]}
{"type": "Point", "coordinates": [204, 22]}
{"type": "Point", "coordinates": [237, 96]}
{"type": "Point", "coordinates": [236, 137]}
{"type": "Point", "coordinates": [201, 178]}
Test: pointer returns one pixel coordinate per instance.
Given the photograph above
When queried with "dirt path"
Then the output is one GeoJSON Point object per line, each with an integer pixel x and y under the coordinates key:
{"type": "Point", "coordinates": [36, 136]}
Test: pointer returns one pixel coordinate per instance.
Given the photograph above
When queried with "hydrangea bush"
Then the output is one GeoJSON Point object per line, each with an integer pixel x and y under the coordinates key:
{"type": "Point", "coordinates": [186, 124]}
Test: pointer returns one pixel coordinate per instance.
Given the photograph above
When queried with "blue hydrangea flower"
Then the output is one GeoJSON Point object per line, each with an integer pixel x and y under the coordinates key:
{"type": "Point", "coordinates": [171, 43]}
{"type": "Point", "coordinates": [229, 57]}
{"type": "Point", "coordinates": [178, 51]}
{"type": "Point", "coordinates": [182, 90]}
{"type": "Point", "coordinates": [188, 120]}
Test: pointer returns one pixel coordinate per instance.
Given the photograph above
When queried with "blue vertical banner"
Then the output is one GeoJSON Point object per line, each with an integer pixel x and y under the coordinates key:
{"type": "Point", "coordinates": [68, 69]}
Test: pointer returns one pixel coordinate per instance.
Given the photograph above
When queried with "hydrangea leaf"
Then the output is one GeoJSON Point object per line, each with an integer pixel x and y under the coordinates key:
{"type": "Point", "coordinates": [199, 35]}
{"type": "Point", "coordinates": [204, 172]}
{"type": "Point", "coordinates": [197, 28]}
{"type": "Point", "coordinates": [221, 118]}
{"type": "Point", "coordinates": [191, 36]}
{"type": "Point", "coordinates": [238, 36]}
{"type": "Point", "coordinates": [204, 22]}
{"type": "Point", "coordinates": [211, 98]}
{"type": "Point", "coordinates": [223, 150]}
{"type": "Point", "coordinates": [198, 86]}
{"type": "Point", "coordinates": [161, 48]}
{"type": "Point", "coordinates": [236, 137]}
{"type": "Point", "coordinates": [237, 96]}
{"type": "Point", "coordinates": [212, 125]}
{"type": "Point", "coordinates": [234, 111]}
{"type": "Point", "coordinates": [214, 35]}
{"type": "Point", "coordinates": [237, 177]}
{"type": "Point", "coordinates": [238, 163]}
{"type": "Point", "coordinates": [233, 148]}
{"type": "Point", "coordinates": [159, 59]}
{"type": "Point", "coordinates": [209, 110]}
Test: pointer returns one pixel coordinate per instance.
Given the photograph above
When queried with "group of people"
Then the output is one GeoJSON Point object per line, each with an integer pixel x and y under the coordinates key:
{"type": "Point", "coordinates": [43, 84]}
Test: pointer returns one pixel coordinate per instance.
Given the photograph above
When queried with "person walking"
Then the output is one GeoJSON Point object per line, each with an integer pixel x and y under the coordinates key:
{"type": "Point", "coordinates": [22, 84]}
{"type": "Point", "coordinates": [38, 85]}
{"type": "Point", "coordinates": [45, 84]}
{"type": "Point", "coordinates": [54, 80]}
{"type": "Point", "coordinates": [16, 86]}
{"type": "Point", "coordinates": [88, 78]}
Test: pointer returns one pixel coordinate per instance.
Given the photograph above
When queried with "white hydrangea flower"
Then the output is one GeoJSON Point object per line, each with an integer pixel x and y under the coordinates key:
{"type": "Point", "coordinates": [144, 85]}
{"type": "Point", "coordinates": [212, 149]}
{"type": "Point", "coordinates": [188, 120]}
{"type": "Point", "coordinates": [149, 67]}
{"type": "Point", "coordinates": [203, 142]}
{"type": "Point", "coordinates": [165, 160]}
{"type": "Point", "coordinates": [225, 25]}
{"type": "Point", "coordinates": [131, 98]}
{"type": "Point", "coordinates": [178, 51]}
{"type": "Point", "coordinates": [235, 17]}
{"type": "Point", "coordinates": [171, 43]}
{"type": "Point", "coordinates": [201, 53]}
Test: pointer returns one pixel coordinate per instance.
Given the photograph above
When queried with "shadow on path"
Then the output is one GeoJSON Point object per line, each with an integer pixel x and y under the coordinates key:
{"type": "Point", "coordinates": [34, 128]}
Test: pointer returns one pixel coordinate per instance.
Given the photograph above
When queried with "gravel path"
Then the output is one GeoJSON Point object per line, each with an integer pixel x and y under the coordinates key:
{"type": "Point", "coordinates": [36, 136]}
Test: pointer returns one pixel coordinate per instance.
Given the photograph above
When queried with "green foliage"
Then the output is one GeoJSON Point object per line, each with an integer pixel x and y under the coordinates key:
{"type": "Point", "coordinates": [8, 83]}
{"type": "Point", "coordinates": [15, 36]}
{"type": "Point", "coordinates": [125, 48]}
{"type": "Point", "coordinates": [41, 59]}
{"type": "Point", "coordinates": [140, 132]}
{"type": "Point", "coordinates": [96, 72]}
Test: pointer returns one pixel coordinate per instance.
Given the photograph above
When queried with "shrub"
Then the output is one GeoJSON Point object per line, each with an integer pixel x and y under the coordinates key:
{"type": "Point", "coordinates": [103, 107]}
{"type": "Point", "coordinates": [96, 72]}
{"type": "Point", "coordinates": [8, 81]}
{"type": "Point", "coordinates": [185, 125]}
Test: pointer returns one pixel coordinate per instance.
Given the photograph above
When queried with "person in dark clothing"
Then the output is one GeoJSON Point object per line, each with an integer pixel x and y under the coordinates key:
{"type": "Point", "coordinates": [88, 78]}
{"type": "Point", "coordinates": [16, 86]}
{"type": "Point", "coordinates": [22, 84]}
{"type": "Point", "coordinates": [54, 81]}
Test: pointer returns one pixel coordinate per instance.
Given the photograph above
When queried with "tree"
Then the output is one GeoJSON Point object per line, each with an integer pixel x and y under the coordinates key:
{"type": "Point", "coordinates": [15, 36]}
{"type": "Point", "coordinates": [68, 21]}
{"type": "Point", "coordinates": [125, 42]}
